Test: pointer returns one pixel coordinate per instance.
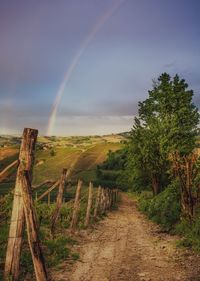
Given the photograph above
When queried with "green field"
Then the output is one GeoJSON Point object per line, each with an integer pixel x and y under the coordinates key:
{"type": "Point", "coordinates": [53, 154]}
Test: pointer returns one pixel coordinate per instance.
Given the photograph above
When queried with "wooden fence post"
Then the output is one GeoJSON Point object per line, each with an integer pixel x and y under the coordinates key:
{"type": "Point", "coordinates": [32, 230]}
{"type": "Point", "coordinates": [117, 194]}
{"type": "Point", "coordinates": [110, 198]}
{"type": "Point", "coordinates": [107, 198]}
{"type": "Point", "coordinates": [97, 203]}
{"type": "Point", "coordinates": [26, 160]}
{"type": "Point", "coordinates": [76, 206]}
{"type": "Point", "coordinates": [58, 201]}
{"type": "Point", "coordinates": [89, 205]}
{"type": "Point", "coordinates": [113, 197]}
{"type": "Point", "coordinates": [103, 206]}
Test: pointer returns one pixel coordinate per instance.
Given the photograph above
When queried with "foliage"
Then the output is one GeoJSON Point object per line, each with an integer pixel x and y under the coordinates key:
{"type": "Point", "coordinates": [52, 152]}
{"type": "Point", "coordinates": [115, 160]}
{"type": "Point", "coordinates": [56, 250]}
{"type": "Point", "coordinates": [109, 172]}
{"type": "Point", "coordinates": [190, 232]}
{"type": "Point", "coordinates": [164, 208]}
{"type": "Point", "coordinates": [167, 122]}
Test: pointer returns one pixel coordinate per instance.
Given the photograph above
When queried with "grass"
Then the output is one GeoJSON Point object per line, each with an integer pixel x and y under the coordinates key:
{"type": "Point", "coordinates": [56, 249]}
{"type": "Point", "coordinates": [165, 210]}
{"type": "Point", "coordinates": [85, 153]}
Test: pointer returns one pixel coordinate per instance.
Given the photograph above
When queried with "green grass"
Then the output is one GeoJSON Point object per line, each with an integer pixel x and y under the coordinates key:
{"type": "Point", "coordinates": [52, 166]}
{"type": "Point", "coordinates": [56, 249]}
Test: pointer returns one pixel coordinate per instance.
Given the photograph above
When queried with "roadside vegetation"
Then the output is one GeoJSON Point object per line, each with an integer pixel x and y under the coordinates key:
{"type": "Point", "coordinates": [160, 163]}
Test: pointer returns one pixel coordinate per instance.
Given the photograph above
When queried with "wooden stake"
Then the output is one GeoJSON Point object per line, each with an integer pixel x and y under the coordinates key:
{"type": "Point", "coordinates": [87, 218]}
{"type": "Point", "coordinates": [110, 198]}
{"type": "Point", "coordinates": [32, 230]}
{"type": "Point", "coordinates": [26, 160]}
{"type": "Point", "coordinates": [58, 201]}
{"type": "Point", "coordinates": [97, 203]}
{"type": "Point", "coordinates": [76, 206]}
{"type": "Point", "coordinates": [41, 184]}
{"type": "Point", "coordinates": [103, 206]}
{"type": "Point", "coordinates": [3, 173]}
{"type": "Point", "coordinates": [107, 198]}
{"type": "Point", "coordinates": [49, 190]}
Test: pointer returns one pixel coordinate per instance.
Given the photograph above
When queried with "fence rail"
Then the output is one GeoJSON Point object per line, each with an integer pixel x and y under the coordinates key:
{"type": "Point", "coordinates": [98, 202]}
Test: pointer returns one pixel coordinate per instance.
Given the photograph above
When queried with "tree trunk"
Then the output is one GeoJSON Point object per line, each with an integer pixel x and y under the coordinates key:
{"type": "Point", "coordinates": [76, 206]}
{"type": "Point", "coordinates": [26, 160]}
{"type": "Point", "coordinates": [155, 185]}
{"type": "Point", "coordinates": [58, 201]}
{"type": "Point", "coordinates": [32, 230]}
{"type": "Point", "coordinates": [89, 206]}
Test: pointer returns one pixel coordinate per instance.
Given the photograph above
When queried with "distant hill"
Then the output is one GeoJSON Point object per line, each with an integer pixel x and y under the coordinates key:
{"type": "Point", "coordinates": [55, 153]}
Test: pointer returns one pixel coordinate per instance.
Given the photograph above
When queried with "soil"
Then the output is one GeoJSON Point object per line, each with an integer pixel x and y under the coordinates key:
{"type": "Point", "coordinates": [126, 246]}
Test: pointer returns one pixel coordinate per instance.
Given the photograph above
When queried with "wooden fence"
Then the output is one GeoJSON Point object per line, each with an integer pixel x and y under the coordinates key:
{"type": "Point", "coordinates": [24, 212]}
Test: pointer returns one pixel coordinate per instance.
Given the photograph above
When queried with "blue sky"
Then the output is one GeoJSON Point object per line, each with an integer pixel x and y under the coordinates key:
{"type": "Point", "coordinates": [140, 40]}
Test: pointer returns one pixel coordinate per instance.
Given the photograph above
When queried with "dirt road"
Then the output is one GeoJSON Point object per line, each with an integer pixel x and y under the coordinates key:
{"type": "Point", "coordinates": [125, 246]}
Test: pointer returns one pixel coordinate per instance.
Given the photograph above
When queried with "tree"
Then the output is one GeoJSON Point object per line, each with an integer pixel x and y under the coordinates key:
{"type": "Point", "coordinates": [168, 121]}
{"type": "Point", "coordinates": [170, 103]}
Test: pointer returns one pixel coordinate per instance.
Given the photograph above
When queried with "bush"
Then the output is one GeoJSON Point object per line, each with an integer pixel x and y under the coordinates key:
{"type": "Point", "coordinates": [164, 208]}
{"type": "Point", "coordinates": [191, 232]}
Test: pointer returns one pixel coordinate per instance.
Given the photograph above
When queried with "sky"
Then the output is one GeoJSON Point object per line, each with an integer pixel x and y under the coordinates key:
{"type": "Point", "coordinates": [112, 49]}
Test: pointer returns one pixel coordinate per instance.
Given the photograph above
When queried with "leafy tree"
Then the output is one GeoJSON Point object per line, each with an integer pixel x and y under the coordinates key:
{"type": "Point", "coordinates": [170, 103]}
{"type": "Point", "coordinates": [167, 122]}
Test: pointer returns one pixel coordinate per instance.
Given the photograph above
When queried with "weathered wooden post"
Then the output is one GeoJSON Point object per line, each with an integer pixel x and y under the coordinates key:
{"type": "Point", "coordinates": [89, 205]}
{"type": "Point", "coordinates": [110, 198]}
{"type": "Point", "coordinates": [26, 160]}
{"type": "Point", "coordinates": [117, 195]}
{"type": "Point", "coordinates": [113, 197]}
{"type": "Point", "coordinates": [76, 206]}
{"type": "Point", "coordinates": [32, 229]}
{"type": "Point", "coordinates": [107, 198]}
{"type": "Point", "coordinates": [97, 203]}
{"type": "Point", "coordinates": [103, 205]}
{"type": "Point", "coordinates": [102, 201]}
{"type": "Point", "coordinates": [58, 201]}
{"type": "Point", "coordinates": [4, 172]}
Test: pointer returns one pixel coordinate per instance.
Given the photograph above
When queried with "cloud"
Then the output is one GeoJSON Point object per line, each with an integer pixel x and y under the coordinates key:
{"type": "Point", "coordinates": [92, 125]}
{"type": "Point", "coordinates": [170, 65]}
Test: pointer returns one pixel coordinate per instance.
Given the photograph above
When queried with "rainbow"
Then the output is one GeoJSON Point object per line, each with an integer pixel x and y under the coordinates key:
{"type": "Point", "coordinates": [102, 20]}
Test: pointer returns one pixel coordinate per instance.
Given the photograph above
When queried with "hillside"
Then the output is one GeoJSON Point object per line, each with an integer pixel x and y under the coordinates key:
{"type": "Point", "coordinates": [55, 153]}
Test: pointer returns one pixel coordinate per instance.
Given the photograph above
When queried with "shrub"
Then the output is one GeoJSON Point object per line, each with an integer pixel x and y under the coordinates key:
{"type": "Point", "coordinates": [164, 208]}
{"type": "Point", "coordinates": [191, 232]}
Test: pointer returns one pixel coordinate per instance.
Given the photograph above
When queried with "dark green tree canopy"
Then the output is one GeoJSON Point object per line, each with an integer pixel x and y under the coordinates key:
{"type": "Point", "coordinates": [170, 104]}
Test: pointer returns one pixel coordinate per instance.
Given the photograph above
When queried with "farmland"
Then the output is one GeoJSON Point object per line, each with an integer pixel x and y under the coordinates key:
{"type": "Point", "coordinates": [52, 154]}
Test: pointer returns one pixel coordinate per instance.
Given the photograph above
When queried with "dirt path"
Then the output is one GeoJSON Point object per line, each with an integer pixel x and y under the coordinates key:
{"type": "Point", "coordinates": [125, 247]}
